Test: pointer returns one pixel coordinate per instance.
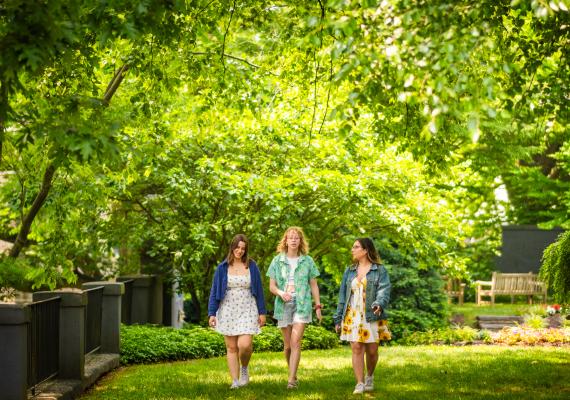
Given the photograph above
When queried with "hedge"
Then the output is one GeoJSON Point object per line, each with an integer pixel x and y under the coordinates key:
{"type": "Point", "coordinates": [152, 343]}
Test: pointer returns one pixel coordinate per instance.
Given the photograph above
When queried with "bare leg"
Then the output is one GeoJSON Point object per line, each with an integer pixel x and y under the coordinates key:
{"type": "Point", "coordinates": [358, 361]}
{"type": "Point", "coordinates": [371, 350]}
{"type": "Point", "coordinates": [287, 343]}
{"type": "Point", "coordinates": [245, 346]}
{"type": "Point", "coordinates": [232, 356]}
{"type": "Point", "coordinates": [296, 336]}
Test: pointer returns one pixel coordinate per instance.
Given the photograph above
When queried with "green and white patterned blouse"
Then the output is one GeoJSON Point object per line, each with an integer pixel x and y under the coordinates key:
{"type": "Point", "coordinates": [305, 271]}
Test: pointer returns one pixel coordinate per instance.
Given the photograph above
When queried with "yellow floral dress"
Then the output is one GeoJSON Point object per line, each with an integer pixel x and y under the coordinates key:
{"type": "Point", "coordinates": [355, 328]}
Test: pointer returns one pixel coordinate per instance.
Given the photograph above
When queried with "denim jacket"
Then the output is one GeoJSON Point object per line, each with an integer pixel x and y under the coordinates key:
{"type": "Point", "coordinates": [220, 284]}
{"type": "Point", "coordinates": [377, 292]}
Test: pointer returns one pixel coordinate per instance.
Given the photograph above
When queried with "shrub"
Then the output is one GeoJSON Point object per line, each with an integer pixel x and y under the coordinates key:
{"type": "Point", "coordinates": [149, 344]}
{"type": "Point", "coordinates": [418, 302]}
{"type": "Point", "coordinates": [269, 339]}
{"type": "Point", "coordinates": [534, 321]}
{"type": "Point", "coordinates": [317, 337]}
{"type": "Point", "coordinates": [555, 269]}
{"type": "Point", "coordinates": [484, 335]}
{"type": "Point", "coordinates": [152, 343]}
{"type": "Point", "coordinates": [328, 289]}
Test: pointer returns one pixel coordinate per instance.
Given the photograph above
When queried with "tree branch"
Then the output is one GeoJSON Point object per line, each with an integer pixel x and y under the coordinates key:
{"type": "Point", "coordinates": [321, 5]}
{"type": "Point", "coordinates": [36, 206]}
{"type": "Point", "coordinates": [114, 84]}
{"type": "Point", "coordinates": [148, 212]}
{"type": "Point", "coordinates": [232, 10]}
{"type": "Point", "coordinates": [3, 114]}
{"type": "Point", "coordinates": [209, 53]}
{"type": "Point", "coordinates": [328, 95]}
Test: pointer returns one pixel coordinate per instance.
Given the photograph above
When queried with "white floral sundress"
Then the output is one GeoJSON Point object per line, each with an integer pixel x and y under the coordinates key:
{"type": "Point", "coordinates": [354, 327]}
{"type": "Point", "coordinates": [238, 314]}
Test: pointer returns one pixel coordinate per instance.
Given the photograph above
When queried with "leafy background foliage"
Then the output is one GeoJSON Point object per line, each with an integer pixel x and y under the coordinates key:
{"type": "Point", "coordinates": [142, 135]}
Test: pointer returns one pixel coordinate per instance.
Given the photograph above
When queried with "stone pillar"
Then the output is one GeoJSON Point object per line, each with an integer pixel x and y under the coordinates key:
{"type": "Point", "coordinates": [71, 331]}
{"type": "Point", "coordinates": [177, 307]}
{"type": "Point", "coordinates": [156, 301]}
{"type": "Point", "coordinates": [111, 314]}
{"type": "Point", "coordinates": [146, 306]}
{"type": "Point", "coordinates": [14, 322]}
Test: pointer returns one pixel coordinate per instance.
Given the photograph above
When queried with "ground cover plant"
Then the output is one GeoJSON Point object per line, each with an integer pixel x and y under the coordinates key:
{"type": "Point", "coordinates": [519, 335]}
{"type": "Point", "coordinates": [422, 372]}
{"type": "Point", "coordinates": [151, 343]}
{"type": "Point", "coordinates": [528, 336]}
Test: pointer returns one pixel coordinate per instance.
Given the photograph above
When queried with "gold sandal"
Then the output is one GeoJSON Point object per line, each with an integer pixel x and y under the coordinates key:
{"type": "Point", "coordinates": [293, 385]}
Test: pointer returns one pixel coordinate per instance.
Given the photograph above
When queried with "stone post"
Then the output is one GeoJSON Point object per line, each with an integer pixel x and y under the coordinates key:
{"type": "Point", "coordinates": [71, 331]}
{"type": "Point", "coordinates": [14, 322]}
{"type": "Point", "coordinates": [176, 307]}
{"type": "Point", "coordinates": [111, 314]}
{"type": "Point", "coordinates": [156, 301]}
{"type": "Point", "coordinates": [146, 306]}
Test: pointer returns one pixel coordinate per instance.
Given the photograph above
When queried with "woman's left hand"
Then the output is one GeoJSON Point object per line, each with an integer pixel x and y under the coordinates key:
{"type": "Point", "coordinates": [261, 320]}
{"type": "Point", "coordinates": [319, 315]}
{"type": "Point", "coordinates": [376, 310]}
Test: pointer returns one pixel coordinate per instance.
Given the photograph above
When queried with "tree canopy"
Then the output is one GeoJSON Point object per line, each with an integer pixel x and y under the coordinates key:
{"type": "Point", "coordinates": [145, 134]}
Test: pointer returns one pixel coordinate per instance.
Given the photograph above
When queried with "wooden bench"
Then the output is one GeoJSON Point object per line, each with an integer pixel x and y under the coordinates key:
{"type": "Point", "coordinates": [511, 284]}
{"type": "Point", "coordinates": [454, 288]}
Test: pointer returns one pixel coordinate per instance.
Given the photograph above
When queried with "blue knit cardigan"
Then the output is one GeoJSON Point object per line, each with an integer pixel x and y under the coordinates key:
{"type": "Point", "coordinates": [220, 284]}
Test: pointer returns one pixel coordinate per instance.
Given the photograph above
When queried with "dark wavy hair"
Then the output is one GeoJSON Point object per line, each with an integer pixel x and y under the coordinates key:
{"type": "Point", "coordinates": [368, 245]}
{"type": "Point", "coordinates": [234, 244]}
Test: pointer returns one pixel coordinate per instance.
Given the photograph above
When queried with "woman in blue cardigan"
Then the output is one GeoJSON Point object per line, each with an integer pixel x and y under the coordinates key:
{"type": "Point", "coordinates": [237, 307]}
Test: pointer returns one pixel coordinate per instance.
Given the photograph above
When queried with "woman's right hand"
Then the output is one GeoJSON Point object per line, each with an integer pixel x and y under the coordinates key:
{"type": "Point", "coordinates": [285, 296]}
{"type": "Point", "coordinates": [212, 321]}
{"type": "Point", "coordinates": [337, 328]}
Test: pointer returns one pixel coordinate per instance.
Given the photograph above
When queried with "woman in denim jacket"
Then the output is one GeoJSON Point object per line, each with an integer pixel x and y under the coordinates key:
{"type": "Point", "coordinates": [361, 311]}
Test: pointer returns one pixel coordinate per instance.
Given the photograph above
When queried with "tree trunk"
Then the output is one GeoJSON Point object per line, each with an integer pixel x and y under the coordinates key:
{"type": "Point", "coordinates": [3, 115]}
{"type": "Point", "coordinates": [36, 206]}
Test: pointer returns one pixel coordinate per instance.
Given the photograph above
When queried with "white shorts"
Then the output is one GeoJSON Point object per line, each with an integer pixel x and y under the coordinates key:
{"type": "Point", "coordinates": [290, 315]}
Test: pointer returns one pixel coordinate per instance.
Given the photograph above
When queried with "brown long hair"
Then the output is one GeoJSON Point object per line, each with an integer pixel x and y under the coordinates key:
{"type": "Point", "coordinates": [234, 244]}
{"type": "Point", "coordinates": [371, 252]}
{"type": "Point", "coordinates": [303, 244]}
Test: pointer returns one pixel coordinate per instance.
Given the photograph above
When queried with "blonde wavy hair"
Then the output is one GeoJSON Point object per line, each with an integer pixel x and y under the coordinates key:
{"type": "Point", "coordinates": [303, 245]}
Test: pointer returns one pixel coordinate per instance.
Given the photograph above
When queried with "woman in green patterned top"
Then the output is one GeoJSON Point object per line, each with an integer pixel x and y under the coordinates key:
{"type": "Point", "coordinates": [293, 281]}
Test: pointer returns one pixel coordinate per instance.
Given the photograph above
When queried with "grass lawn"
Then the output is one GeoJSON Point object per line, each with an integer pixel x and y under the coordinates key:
{"type": "Point", "coordinates": [424, 372]}
{"type": "Point", "coordinates": [471, 310]}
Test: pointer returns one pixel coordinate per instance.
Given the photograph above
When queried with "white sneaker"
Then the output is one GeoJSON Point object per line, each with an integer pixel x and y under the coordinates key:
{"type": "Point", "coordinates": [359, 388]}
{"type": "Point", "coordinates": [235, 385]}
{"type": "Point", "coordinates": [369, 383]}
{"type": "Point", "coordinates": [244, 376]}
